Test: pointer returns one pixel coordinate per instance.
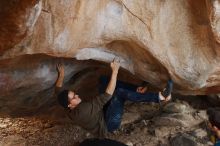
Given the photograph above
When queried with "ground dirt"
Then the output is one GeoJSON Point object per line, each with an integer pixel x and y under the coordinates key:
{"type": "Point", "coordinates": [138, 129]}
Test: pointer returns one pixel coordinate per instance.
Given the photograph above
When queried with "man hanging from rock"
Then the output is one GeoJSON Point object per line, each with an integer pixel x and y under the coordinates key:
{"type": "Point", "coordinates": [214, 124]}
{"type": "Point", "coordinates": [103, 114]}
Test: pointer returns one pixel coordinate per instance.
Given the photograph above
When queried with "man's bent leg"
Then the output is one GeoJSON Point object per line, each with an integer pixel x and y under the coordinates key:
{"type": "Point", "coordinates": [113, 110]}
{"type": "Point", "coordinates": [137, 97]}
{"type": "Point", "coordinates": [113, 113]}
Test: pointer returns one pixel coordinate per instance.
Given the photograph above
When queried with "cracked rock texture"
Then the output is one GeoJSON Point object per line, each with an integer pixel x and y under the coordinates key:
{"type": "Point", "coordinates": [155, 39]}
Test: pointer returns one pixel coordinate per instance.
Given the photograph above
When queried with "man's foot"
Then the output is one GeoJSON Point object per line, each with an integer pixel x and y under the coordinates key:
{"type": "Point", "coordinates": [168, 89]}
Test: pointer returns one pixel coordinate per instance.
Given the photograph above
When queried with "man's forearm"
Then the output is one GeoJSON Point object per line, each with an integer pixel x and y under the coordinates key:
{"type": "Point", "coordinates": [112, 83]}
{"type": "Point", "coordinates": [59, 82]}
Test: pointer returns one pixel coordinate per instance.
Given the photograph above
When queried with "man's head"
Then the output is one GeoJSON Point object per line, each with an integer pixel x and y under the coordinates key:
{"type": "Point", "coordinates": [214, 119]}
{"type": "Point", "coordinates": [68, 99]}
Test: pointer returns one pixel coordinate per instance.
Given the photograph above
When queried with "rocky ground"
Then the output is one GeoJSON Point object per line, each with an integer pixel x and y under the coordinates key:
{"type": "Point", "coordinates": [173, 124]}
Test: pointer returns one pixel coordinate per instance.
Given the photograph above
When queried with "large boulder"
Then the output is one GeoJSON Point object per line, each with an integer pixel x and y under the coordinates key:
{"type": "Point", "coordinates": [155, 40]}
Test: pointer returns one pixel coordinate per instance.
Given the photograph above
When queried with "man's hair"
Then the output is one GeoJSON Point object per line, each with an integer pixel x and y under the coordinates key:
{"type": "Point", "coordinates": [63, 98]}
{"type": "Point", "coordinates": [214, 116]}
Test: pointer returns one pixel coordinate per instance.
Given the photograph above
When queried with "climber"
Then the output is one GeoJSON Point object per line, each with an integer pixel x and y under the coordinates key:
{"type": "Point", "coordinates": [102, 115]}
{"type": "Point", "coordinates": [214, 124]}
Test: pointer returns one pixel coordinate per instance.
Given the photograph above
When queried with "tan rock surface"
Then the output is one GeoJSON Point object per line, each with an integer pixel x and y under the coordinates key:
{"type": "Point", "coordinates": [155, 39]}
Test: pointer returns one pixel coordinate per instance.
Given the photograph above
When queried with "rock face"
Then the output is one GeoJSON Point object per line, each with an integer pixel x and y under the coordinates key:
{"type": "Point", "coordinates": [177, 114]}
{"type": "Point", "coordinates": [26, 87]}
{"type": "Point", "coordinates": [155, 40]}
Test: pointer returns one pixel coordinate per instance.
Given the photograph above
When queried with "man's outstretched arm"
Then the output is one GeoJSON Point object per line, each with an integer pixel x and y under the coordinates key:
{"type": "Point", "coordinates": [59, 82]}
{"type": "Point", "coordinates": [112, 83]}
{"type": "Point", "coordinates": [104, 98]}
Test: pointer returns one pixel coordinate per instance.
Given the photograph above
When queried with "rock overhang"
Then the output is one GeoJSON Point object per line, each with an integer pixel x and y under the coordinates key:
{"type": "Point", "coordinates": [156, 40]}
